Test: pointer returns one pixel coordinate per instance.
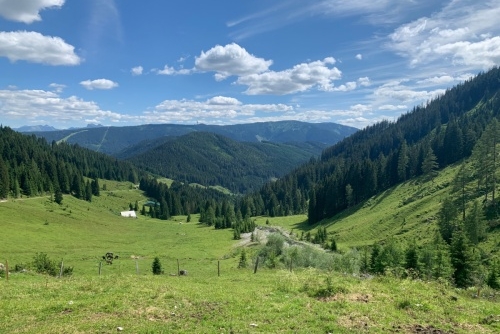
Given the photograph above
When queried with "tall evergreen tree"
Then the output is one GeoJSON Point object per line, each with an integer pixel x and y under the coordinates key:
{"type": "Point", "coordinates": [447, 219]}
{"type": "Point", "coordinates": [403, 161]}
{"type": "Point", "coordinates": [429, 165]}
{"type": "Point", "coordinates": [474, 224]}
{"type": "Point", "coordinates": [462, 259]}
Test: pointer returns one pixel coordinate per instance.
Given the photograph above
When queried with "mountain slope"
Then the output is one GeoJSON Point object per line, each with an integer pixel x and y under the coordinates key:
{"type": "Point", "coordinates": [385, 154]}
{"type": "Point", "coordinates": [111, 140]}
{"type": "Point", "coordinates": [211, 159]}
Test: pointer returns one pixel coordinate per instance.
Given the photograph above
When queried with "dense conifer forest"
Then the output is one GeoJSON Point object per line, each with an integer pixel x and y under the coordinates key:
{"type": "Point", "coordinates": [210, 160]}
{"type": "Point", "coordinates": [430, 137]}
{"type": "Point", "coordinates": [29, 166]}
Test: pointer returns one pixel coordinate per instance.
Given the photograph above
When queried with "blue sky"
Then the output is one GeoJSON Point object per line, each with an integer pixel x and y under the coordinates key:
{"type": "Point", "coordinates": [69, 63]}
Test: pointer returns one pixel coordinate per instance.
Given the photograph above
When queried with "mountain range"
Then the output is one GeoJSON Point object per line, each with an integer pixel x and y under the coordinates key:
{"type": "Point", "coordinates": [112, 140]}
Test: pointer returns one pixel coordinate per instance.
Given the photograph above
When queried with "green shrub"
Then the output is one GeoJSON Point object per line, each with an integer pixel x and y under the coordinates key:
{"type": "Point", "coordinates": [42, 264]}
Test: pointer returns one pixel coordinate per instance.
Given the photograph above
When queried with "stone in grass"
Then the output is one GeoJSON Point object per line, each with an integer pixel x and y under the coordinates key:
{"type": "Point", "coordinates": [254, 325]}
{"type": "Point", "coordinates": [119, 329]}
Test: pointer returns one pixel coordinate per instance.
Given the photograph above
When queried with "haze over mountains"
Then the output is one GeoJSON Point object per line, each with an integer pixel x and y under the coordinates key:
{"type": "Point", "coordinates": [112, 140]}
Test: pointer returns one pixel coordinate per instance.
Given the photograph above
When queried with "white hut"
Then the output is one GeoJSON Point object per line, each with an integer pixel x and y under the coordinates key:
{"type": "Point", "coordinates": [129, 214]}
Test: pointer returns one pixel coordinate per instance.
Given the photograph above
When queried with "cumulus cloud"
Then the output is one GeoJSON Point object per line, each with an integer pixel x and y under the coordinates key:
{"type": "Point", "coordinates": [364, 81]}
{"type": "Point", "coordinates": [215, 109]}
{"type": "Point", "coordinates": [137, 70]}
{"type": "Point", "coordinates": [300, 78]}
{"type": "Point", "coordinates": [168, 70]}
{"type": "Point", "coordinates": [37, 48]}
{"type": "Point", "coordinates": [99, 84]}
{"type": "Point", "coordinates": [359, 56]}
{"type": "Point", "coordinates": [230, 60]}
{"type": "Point", "coordinates": [33, 105]}
{"type": "Point", "coordinates": [397, 91]}
{"type": "Point", "coordinates": [464, 33]}
{"type": "Point", "coordinates": [346, 88]}
{"type": "Point", "coordinates": [26, 11]}
{"type": "Point", "coordinates": [58, 88]}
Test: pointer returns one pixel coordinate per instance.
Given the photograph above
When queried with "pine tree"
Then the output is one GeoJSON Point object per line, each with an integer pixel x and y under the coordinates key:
{"type": "Point", "coordinates": [447, 219]}
{"type": "Point", "coordinates": [58, 196]}
{"type": "Point", "coordinates": [156, 266]}
{"type": "Point", "coordinates": [462, 260]}
{"type": "Point", "coordinates": [88, 192]}
{"type": "Point", "coordinates": [333, 245]}
{"type": "Point", "coordinates": [402, 161]}
{"type": "Point", "coordinates": [188, 219]}
{"type": "Point", "coordinates": [243, 259]}
{"type": "Point", "coordinates": [430, 165]}
{"type": "Point", "coordinates": [411, 257]}
{"type": "Point", "coordinates": [474, 224]}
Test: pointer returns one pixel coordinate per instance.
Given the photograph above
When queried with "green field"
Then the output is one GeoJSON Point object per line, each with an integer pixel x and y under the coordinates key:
{"type": "Point", "coordinates": [129, 296]}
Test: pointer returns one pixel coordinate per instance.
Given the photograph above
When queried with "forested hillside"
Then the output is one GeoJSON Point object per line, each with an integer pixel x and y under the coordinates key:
{"type": "Point", "coordinates": [209, 159]}
{"type": "Point", "coordinates": [112, 140]}
{"type": "Point", "coordinates": [29, 166]}
{"type": "Point", "coordinates": [429, 137]}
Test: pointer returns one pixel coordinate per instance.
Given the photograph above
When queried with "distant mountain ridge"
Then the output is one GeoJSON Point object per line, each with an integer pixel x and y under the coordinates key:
{"type": "Point", "coordinates": [35, 128]}
{"type": "Point", "coordinates": [112, 140]}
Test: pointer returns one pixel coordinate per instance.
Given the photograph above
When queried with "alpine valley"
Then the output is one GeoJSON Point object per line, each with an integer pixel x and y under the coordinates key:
{"type": "Point", "coordinates": [276, 227]}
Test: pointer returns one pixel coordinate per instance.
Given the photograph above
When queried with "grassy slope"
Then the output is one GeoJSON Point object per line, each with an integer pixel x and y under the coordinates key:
{"type": "Point", "coordinates": [407, 211]}
{"type": "Point", "coordinates": [276, 301]}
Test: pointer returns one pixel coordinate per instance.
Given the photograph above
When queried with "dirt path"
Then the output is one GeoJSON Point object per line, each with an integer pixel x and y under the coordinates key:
{"type": "Point", "coordinates": [261, 232]}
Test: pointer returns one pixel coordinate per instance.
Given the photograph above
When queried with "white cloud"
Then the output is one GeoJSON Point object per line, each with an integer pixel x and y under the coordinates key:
{"type": "Point", "coordinates": [219, 109]}
{"type": "Point", "coordinates": [300, 78]}
{"type": "Point", "coordinates": [99, 84]}
{"type": "Point", "coordinates": [359, 56]}
{"type": "Point", "coordinates": [33, 105]}
{"type": "Point", "coordinates": [230, 60]}
{"type": "Point", "coordinates": [26, 11]}
{"type": "Point", "coordinates": [37, 48]}
{"type": "Point", "coordinates": [346, 88]}
{"type": "Point", "coordinates": [396, 91]}
{"type": "Point", "coordinates": [137, 70]}
{"type": "Point", "coordinates": [223, 100]}
{"type": "Point", "coordinates": [58, 88]}
{"type": "Point", "coordinates": [463, 33]}
{"type": "Point", "coordinates": [364, 81]}
{"type": "Point", "coordinates": [392, 107]}
{"type": "Point", "coordinates": [168, 70]}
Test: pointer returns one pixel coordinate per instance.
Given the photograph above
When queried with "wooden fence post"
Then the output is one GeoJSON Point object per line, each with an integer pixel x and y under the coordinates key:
{"type": "Point", "coordinates": [100, 265]}
{"type": "Point", "coordinates": [178, 268]}
{"type": "Point", "coordinates": [218, 268]}
{"type": "Point", "coordinates": [136, 267]}
{"type": "Point", "coordinates": [256, 265]}
{"type": "Point", "coordinates": [61, 270]}
{"type": "Point", "coordinates": [7, 270]}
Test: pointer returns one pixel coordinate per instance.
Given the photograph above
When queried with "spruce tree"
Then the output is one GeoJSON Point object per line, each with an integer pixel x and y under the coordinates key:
{"type": "Point", "coordinates": [462, 260]}
{"type": "Point", "coordinates": [474, 224]}
{"type": "Point", "coordinates": [243, 259]}
{"type": "Point", "coordinates": [447, 219]}
{"type": "Point", "coordinates": [411, 258]}
{"type": "Point", "coordinates": [58, 196]}
{"type": "Point", "coordinates": [333, 245]}
{"type": "Point", "coordinates": [156, 266]}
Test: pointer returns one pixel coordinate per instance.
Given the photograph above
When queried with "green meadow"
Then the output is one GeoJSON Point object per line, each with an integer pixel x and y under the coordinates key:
{"type": "Point", "coordinates": [216, 296]}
